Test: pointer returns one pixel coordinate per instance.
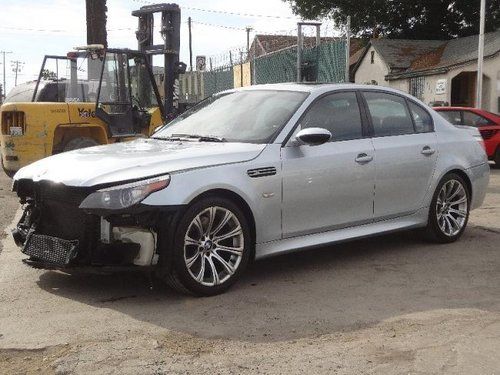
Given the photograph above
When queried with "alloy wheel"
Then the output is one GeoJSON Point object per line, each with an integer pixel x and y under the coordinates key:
{"type": "Point", "coordinates": [452, 208]}
{"type": "Point", "coordinates": [213, 246]}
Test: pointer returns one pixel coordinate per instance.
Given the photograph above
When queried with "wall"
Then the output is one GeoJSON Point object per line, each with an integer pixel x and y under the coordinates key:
{"type": "Point", "coordinates": [491, 84]}
{"type": "Point", "coordinates": [368, 72]}
{"type": "Point", "coordinates": [242, 79]}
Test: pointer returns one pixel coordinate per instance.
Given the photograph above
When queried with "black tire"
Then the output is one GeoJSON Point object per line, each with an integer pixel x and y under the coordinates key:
{"type": "Point", "coordinates": [78, 143]}
{"type": "Point", "coordinates": [497, 157]}
{"type": "Point", "coordinates": [179, 277]}
{"type": "Point", "coordinates": [433, 230]}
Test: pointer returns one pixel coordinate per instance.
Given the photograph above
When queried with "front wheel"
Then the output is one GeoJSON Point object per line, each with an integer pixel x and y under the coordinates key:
{"type": "Point", "coordinates": [449, 211]}
{"type": "Point", "coordinates": [212, 248]}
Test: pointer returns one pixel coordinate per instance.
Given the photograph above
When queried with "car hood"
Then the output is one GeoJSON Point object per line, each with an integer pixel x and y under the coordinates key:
{"type": "Point", "coordinates": [134, 160]}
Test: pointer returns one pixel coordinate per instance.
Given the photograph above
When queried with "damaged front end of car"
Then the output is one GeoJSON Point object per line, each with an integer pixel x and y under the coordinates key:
{"type": "Point", "coordinates": [66, 227]}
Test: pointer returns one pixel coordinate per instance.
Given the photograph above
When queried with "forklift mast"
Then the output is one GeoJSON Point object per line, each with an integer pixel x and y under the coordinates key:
{"type": "Point", "coordinates": [170, 32]}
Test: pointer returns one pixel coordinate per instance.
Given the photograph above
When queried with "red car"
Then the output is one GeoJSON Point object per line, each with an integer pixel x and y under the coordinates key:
{"type": "Point", "coordinates": [488, 124]}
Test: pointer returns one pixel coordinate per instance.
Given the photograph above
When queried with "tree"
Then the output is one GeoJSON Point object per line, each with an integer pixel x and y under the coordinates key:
{"type": "Point", "coordinates": [415, 19]}
{"type": "Point", "coordinates": [49, 75]}
{"type": "Point", "coordinates": [96, 22]}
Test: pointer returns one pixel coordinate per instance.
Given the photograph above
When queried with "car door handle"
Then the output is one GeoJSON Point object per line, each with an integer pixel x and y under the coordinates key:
{"type": "Point", "coordinates": [363, 158]}
{"type": "Point", "coordinates": [427, 151]}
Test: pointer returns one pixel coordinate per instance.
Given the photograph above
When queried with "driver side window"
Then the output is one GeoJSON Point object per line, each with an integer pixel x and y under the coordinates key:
{"type": "Point", "coordinates": [339, 113]}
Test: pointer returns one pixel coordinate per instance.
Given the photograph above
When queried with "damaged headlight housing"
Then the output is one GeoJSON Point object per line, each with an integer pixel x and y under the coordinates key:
{"type": "Point", "coordinates": [124, 196]}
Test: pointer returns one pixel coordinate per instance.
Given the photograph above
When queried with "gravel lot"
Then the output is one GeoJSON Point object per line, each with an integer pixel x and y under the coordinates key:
{"type": "Point", "coordinates": [387, 305]}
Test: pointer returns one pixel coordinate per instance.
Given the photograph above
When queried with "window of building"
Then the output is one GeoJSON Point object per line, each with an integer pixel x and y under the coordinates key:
{"type": "Point", "coordinates": [417, 86]}
{"type": "Point", "coordinates": [372, 59]}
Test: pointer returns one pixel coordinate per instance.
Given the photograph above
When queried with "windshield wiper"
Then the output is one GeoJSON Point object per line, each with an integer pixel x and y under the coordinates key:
{"type": "Point", "coordinates": [173, 139]}
{"type": "Point", "coordinates": [200, 138]}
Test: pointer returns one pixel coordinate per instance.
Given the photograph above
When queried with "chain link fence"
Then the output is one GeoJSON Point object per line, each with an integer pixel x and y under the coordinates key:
{"type": "Point", "coordinates": [218, 79]}
{"type": "Point", "coordinates": [325, 63]}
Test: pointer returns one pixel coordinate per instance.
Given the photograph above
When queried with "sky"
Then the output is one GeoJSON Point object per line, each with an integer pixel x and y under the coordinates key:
{"type": "Point", "coordinates": [32, 29]}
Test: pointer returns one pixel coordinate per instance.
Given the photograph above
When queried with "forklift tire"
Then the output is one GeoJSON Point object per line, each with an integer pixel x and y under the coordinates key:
{"type": "Point", "coordinates": [78, 143]}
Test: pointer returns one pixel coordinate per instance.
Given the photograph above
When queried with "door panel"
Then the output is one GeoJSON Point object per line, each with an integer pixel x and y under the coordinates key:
{"type": "Point", "coordinates": [325, 188]}
{"type": "Point", "coordinates": [405, 153]}
{"type": "Point", "coordinates": [405, 165]}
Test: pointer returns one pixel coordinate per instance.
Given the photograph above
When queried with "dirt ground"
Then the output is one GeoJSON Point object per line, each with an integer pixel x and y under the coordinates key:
{"type": "Point", "coordinates": [387, 305]}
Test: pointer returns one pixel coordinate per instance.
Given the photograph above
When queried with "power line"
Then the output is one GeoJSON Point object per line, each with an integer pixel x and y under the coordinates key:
{"type": "Point", "coordinates": [28, 29]}
{"type": "Point", "coordinates": [218, 11]}
{"type": "Point", "coordinates": [219, 26]}
{"type": "Point", "coordinates": [276, 32]}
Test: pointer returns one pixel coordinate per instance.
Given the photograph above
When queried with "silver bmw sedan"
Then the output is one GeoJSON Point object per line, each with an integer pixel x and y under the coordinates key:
{"type": "Point", "coordinates": [251, 173]}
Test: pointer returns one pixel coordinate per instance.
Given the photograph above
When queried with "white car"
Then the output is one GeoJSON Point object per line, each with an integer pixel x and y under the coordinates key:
{"type": "Point", "coordinates": [251, 173]}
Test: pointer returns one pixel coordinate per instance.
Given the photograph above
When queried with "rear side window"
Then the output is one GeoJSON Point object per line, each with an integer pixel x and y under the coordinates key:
{"type": "Point", "coordinates": [453, 117]}
{"type": "Point", "coordinates": [339, 113]}
{"type": "Point", "coordinates": [389, 114]}
{"type": "Point", "coordinates": [421, 118]}
{"type": "Point", "coordinates": [472, 119]}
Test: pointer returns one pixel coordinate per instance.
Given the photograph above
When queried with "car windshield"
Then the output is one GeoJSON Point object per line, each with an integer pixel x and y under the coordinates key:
{"type": "Point", "coordinates": [243, 116]}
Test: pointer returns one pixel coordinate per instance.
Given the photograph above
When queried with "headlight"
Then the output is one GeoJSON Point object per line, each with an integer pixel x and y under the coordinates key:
{"type": "Point", "coordinates": [124, 196]}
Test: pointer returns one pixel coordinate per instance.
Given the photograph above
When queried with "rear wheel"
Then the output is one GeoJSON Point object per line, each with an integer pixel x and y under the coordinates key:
{"type": "Point", "coordinates": [211, 248]}
{"type": "Point", "coordinates": [82, 142]}
{"type": "Point", "coordinates": [449, 211]}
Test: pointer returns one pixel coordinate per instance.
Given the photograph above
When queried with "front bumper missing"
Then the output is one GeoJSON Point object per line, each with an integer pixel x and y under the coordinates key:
{"type": "Point", "coordinates": [56, 234]}
{"type": "Point", "coordinates": [132, 242]}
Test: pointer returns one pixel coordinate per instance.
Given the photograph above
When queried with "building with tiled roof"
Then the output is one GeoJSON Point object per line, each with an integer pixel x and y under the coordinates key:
{"type": "Point", "coordinates": [435, 71]}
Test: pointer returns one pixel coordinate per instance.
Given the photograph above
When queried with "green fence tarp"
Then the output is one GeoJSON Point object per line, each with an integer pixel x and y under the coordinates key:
{"type": "Point", "coordinates": [218, 80]}
{"type": "Point", "coordinates": [325, 63]}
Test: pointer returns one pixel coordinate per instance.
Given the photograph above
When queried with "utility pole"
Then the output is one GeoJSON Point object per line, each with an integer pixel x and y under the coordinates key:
{"type": "Point", "coordinates": [241, 68]}
{"type": "Point", "coordinates": [95, 14]}
{"type": "Point", "coordinates": [4, 84]}
{"type": "Point", "coordinates": [480, 60]}
{"type": "Point", "coordinates": [300, 45]}
{"type": "Point", "coordinates": [96, 22]}
{"type": "Point", "coordinates": [17, 66]}
{"type": "Point", "coordinates": [248, 30]}
{"type": "Point", "coordinates": [190, 44]}
{"type": "Point", "coordinates": [348, 49]}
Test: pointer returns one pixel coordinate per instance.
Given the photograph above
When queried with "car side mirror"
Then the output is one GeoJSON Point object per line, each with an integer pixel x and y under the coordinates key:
{"type": "Point", "coordinates": [313, 136]}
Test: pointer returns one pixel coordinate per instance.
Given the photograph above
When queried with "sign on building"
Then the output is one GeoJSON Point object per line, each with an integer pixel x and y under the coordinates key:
{"type": "Point", "coordinates": [201, 63]}
{"type": "Point", "coordinates": [441, 86]}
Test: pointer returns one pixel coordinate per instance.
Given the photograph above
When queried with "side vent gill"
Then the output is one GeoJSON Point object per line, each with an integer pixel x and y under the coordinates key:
{"type": "Point", "coordinates": [261, 172]}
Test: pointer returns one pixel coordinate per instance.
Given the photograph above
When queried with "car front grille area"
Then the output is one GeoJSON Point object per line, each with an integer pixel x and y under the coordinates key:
{"type": "Point", "coordinates": [57, 231]}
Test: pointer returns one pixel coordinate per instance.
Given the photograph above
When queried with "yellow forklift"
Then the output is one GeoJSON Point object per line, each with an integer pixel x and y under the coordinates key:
{"type": "Point", "coordinates": [93, 96]}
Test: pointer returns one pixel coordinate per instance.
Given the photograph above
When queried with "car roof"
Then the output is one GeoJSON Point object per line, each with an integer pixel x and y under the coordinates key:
{"type": "Point", "coordinates": [316, 87]}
